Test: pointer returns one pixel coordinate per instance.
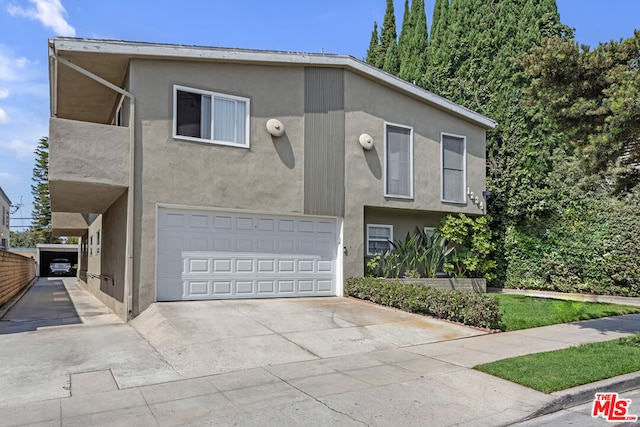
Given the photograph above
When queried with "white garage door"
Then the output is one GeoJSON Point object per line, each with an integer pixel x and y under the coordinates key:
{"type": "Point", "coordinates": [217, 255]}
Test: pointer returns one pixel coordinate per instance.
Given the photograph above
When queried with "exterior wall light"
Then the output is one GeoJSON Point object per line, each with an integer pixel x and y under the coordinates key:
{"type": "Point", "coordinates": [275, 127]}
{"type": "Point", "coordinates": [366, 141]}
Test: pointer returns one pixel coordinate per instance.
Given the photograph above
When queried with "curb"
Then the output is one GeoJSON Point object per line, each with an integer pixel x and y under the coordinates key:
{"type": "Point", "coordinates": [585, 393]}
{"type": "Point", "coordinates": [9, 304]}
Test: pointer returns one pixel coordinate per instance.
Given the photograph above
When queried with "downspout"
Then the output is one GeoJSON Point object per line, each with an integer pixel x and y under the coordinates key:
{"type": "Point", "coordinates": [128, 268]}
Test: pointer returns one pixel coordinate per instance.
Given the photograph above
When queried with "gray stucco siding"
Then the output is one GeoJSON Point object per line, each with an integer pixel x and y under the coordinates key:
{"type": "Point", "coordinates": [368, 105]}
{"type": "Point", "coordinates": [269, 176]}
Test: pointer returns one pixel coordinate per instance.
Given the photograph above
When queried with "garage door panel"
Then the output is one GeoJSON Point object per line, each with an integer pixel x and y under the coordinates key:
{"type": "Point", "coordinates": [214, 255]}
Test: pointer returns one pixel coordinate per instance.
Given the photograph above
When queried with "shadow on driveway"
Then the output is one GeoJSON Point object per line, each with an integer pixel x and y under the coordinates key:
{"type": "Point", "coordinates": [47, 303]}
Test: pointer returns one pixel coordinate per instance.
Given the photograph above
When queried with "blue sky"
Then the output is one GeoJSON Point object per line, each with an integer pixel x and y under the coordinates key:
{"type": "Point", "coordinates": [332, 26]}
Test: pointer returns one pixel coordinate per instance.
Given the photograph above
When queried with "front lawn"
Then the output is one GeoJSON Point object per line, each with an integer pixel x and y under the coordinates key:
{"type": "Point", "coordinates": [561, 369]}
{"type": "Point", "coordinates": [523, 312]}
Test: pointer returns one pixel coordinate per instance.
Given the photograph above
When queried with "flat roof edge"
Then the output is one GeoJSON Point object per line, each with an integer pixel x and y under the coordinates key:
{"type": "Point", "coordinates": [176, 51]}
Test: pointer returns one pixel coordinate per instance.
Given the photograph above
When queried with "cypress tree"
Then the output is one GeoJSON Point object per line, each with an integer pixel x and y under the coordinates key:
{"type": "Point", "coordinates": [41, 214]}
{"type": "Point", "coordinates": [389, 42]}
{"type": "Point", "coordinates": [414, 60]}
{"type": "Point", "coordinates": [392, 60]}
{"type": "Point", "coordinates": [473, 59]}
{"type": "Point", "coordinates": [374, 56]}
{"type": "Point", "coordinates": [436, 66]}
{"type": "Point", "coordinates": [405, 33]}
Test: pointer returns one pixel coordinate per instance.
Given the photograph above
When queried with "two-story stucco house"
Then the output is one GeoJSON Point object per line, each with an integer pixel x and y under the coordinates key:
{"type": "Point", "coordinates": [207, 173]}
{"type": "Point", "coordinates": [5, 211]}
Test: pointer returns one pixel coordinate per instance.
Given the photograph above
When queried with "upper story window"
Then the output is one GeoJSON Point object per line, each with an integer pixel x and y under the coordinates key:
{"type": "Point", "coordinates": [379, 238]}
{"type": "Point", "coordinates": [200, 115]}
{"type": "Point", "coordinates": [454, 165]}
{"type": "Point", "coordinates": [398, 161]}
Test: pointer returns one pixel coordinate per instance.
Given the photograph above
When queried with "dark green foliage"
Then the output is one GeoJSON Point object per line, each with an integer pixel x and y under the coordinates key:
{"type": "Point", "coordinates": [413, 43]}
{"type": "Point", "coordinates": [374, 53]}
{"type": "Point", "coordinates": [25, 239]}
{"type": "Point", "coordinates": [420, 255]}
{"type": "Point", "coordinates": [591, 96]}
{"type": "Point", "coordinates": [40, 190]}
{"type": "Point", "coordinates": [392, 60]}
{"type": "Point", "coordinates": [473, 246]}
{"type": "Point", "coordinates": [464, 307]}
{"type": "Point", "coordinates": [389, 41]}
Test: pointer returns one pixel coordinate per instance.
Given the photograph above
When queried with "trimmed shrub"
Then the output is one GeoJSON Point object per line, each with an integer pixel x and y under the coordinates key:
{"type": "Point", "coordinates": [464, 307]}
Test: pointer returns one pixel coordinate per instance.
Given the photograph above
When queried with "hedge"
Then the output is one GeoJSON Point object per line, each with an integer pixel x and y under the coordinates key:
{"type": "Point", "coordinates": [464, 307]}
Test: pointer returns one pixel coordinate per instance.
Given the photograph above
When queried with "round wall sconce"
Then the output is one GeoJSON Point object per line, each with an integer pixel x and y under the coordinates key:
{"type": "Point", "coordinates": [275, 127]}
{"type": "Point", "coordinates": [366, 141]}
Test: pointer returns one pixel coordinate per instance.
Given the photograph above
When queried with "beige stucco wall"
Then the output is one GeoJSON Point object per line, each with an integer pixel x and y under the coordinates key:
{"type": "Point", "coordinates": [266, 177]}
{"type": "Point", "coordinates": [368, 106]}
{"type": "Point", "coordinates": [105, 270]}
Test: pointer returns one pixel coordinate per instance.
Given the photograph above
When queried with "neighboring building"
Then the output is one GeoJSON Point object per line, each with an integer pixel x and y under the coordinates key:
{"type": "Point", "coordinates": [5, 211]}
{"type": "Point", "coordinates": [204, 173]}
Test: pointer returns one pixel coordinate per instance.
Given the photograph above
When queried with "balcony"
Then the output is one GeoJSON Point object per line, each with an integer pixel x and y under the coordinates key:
{"type": "Point", "coordinates": [69, 224]}
{"type": "Point", "coordinates": [88, 165]}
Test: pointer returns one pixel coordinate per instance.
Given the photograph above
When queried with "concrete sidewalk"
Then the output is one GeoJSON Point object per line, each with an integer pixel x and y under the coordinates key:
{"type": "Point", "coordinates": [323, 361]}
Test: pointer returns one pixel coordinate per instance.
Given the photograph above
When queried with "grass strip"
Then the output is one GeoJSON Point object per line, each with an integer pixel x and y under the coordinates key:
{"type": "Point", "coordinates": [524, 312]}
{"type": "Point", "coordinates": [562, 369]}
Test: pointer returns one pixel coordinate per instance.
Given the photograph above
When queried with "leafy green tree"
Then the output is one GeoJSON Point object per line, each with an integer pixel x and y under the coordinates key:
{"type": "Point", "coordinates": [24, 239]}
{"type": "Point", "coordinates": [41, 214]}
{"type": "Point", "coordinates": [592, 97]}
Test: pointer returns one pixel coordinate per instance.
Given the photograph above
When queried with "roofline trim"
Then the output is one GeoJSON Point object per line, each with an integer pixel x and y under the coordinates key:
{"type": "Point", "coordinates": [140, 49]}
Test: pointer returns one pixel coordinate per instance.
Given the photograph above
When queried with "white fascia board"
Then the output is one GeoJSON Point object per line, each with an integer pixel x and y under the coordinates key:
{"type": "Point", "coordinates": [140, 50]}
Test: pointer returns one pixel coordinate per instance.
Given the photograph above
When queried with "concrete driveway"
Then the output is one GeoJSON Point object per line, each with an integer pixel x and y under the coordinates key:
{"type": "Point", "coordinates": [320, 361]}
{"type": "Point", "coordinates": [213, 337]}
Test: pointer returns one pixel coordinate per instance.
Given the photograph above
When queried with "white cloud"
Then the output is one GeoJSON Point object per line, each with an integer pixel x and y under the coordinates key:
{"type": "Point", "coordinates": [19, 147]}
{"type": "Point", "coordinates": [50, 13]}
{"type": "Point", "coordinates": [4, 93]}
{"type": "Point", "coordinates": [12, 69]}
{"type": "Point", "coordinates": [4, 117]}
{"type": "Point", "coordinates": [6, 177]}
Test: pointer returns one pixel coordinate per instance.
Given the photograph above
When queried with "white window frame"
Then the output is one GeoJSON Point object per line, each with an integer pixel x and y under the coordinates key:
{"type": "Point", "coordinates": [370, 226]}
{"type": "Point", "coordinates": [247, 101]}
{"type": "Point", "coordinates": [386, 169]}
{"type": "Point", "coordinates": [464, 167]}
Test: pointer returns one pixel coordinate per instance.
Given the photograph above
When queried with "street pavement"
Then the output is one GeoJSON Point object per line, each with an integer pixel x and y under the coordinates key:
{"type": "Point", "coordinates": [67, 360]}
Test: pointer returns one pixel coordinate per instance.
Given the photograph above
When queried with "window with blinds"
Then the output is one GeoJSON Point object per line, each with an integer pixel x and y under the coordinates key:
{"type": "Point", "coordinates": [398, 161]}
{"type": "Point", "coordinates": [212, 117]}
{"type": "Point", "coordinates": [453, 168]}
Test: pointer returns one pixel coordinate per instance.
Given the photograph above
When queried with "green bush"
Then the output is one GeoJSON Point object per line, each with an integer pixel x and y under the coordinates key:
{"type": "Point", "coordinates": [464, 307]}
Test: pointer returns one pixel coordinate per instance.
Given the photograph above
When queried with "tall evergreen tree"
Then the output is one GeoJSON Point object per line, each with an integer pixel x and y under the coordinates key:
{"type": "Point", "coordinates": [374, 53]}
{"type": "Point", "coordinates": [41, 214]}
{"type": "Point", "coordinates": [392, 60]}
{"type": "Point", "coordinates": [437, 63]}
{"type": "Point", "coordinates": [406, 32]}
{"type": "Point", "coordinates": [413, 50]}
{"type": "Point", "coordinates": [474, 60]}
{"type": "Point", "coordinates": [389, 41]}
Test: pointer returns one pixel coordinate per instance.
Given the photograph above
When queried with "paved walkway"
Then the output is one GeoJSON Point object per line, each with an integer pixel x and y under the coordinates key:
{"type": "Point", "coordinates": [367, 369]}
